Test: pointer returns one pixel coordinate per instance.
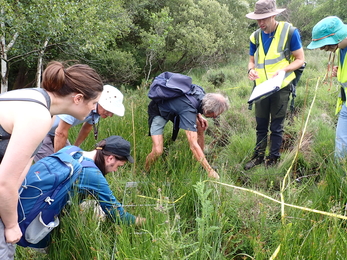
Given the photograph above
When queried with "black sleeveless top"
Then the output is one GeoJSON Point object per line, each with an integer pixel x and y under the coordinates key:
{"type": "Point", "coordinates": [4, 136]}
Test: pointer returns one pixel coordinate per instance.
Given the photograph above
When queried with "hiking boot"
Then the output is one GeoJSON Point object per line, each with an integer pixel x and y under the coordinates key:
{"type": "Point", "coordinates": [256, 160]}
{"type": "Point", "coordinates": [271, 161]}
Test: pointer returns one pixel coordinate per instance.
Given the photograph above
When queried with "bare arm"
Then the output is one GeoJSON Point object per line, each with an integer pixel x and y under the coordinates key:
{"type": "Point", "coordinates": [252, 73]}
{"type": "Point", "coordinates": [82, 135]}
{"type": "Point", "coordinates": [29, 125]}
{"type": "Point", "coordinates": [202, 125]}
{"type": "Point", "coordinates": [199, 154]}
{"type": "Point", "coordinates": [61, 135]}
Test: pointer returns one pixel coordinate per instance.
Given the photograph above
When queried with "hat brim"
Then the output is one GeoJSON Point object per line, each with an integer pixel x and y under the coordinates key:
{"type": "Point", "coordinates": [254, 16]}
{"type": "Point", "coordinates": [335, 39]}
{"type": "Point", "coordinates": [130, 159]}
{"type": "Point", "coordinates": [117, 110]}
{"type": "Point", "coordinates": [321, 43]}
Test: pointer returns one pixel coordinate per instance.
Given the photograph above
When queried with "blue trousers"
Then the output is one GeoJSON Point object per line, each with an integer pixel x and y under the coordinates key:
{"type": "Point", "coordinates": [341, 134]}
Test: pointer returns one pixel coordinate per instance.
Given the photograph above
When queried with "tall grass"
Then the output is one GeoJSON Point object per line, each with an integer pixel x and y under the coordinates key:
{"type": "Point", "coordinates": [247, 215]}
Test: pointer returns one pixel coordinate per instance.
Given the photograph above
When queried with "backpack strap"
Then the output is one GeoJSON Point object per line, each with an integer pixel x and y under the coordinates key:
{"type": "Point", "coordinates": [85, 163]}
{"type": "Point", "coordinates": [23, 99]}
{"type": "Point", "coordinates": [42, 91]}
{"type": "Point", "coordinates": [287, 52]}
{"type": "Point", "coordinates": [88, 164]}
{"type": "Point", "coordinates": [256, 37]}
{"type": "Point", "coordinates": [45, 94]}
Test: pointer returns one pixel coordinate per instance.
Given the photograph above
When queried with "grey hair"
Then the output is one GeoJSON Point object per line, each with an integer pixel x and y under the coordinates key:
{"type": "Point", "coordinates": [214, 103]}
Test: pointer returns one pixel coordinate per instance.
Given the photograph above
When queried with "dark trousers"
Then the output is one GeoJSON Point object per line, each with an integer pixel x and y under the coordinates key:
{"type": "Point", "coordinates": [271, 111]}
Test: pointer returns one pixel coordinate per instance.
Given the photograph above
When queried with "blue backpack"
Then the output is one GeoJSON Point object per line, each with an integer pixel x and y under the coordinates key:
{"type": "Point", "coordinates": [171, 85]}
{"type": "Point", "coordinates": [44, 193]}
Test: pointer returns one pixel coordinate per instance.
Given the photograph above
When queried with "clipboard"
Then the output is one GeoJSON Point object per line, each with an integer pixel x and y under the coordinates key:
{"type": "Point", "coordinates": [267, 88]}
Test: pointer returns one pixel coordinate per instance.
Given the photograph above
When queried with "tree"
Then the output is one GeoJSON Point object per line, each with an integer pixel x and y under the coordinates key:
{"type": "Point", "coordinates": [76, 27]}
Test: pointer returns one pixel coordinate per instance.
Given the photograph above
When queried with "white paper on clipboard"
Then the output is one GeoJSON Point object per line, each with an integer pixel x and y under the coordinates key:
{"type": "Point", "coordinates": [267, 87]}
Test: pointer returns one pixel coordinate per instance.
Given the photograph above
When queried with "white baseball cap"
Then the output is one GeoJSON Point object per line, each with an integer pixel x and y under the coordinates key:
{"type": "Point", "coordinates": [111, 99]}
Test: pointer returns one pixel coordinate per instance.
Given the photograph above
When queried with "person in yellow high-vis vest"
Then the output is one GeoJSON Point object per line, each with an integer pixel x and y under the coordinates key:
{"type": "Point", "coordinates": [330, 34]}
{"type": "Point", "coordinates": [267, 59]}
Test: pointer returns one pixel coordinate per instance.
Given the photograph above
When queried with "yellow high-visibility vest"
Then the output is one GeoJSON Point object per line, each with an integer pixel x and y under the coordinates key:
{"type": "Point", "coordinates": [342, 78]}
{"type": "Point", "coordinates": [274, 60]}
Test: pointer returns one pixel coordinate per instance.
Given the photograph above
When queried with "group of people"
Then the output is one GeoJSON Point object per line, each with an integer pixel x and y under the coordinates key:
{"type": "Point", "coordinates": [268, 57]}
{"type": "Point", "coordinates": [34, 123]}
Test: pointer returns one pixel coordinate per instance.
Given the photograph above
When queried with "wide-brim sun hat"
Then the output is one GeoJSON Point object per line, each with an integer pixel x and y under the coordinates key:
{"type": "Point", "coordinates": [264, 9]}
{"type": "Point", "coordinates": [111, 99]}
{"type": "Point", "coordinates": [328, 31]}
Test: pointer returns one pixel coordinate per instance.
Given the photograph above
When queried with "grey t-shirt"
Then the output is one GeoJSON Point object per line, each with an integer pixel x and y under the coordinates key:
{"type": "Point", "coordinates": [184, 109]}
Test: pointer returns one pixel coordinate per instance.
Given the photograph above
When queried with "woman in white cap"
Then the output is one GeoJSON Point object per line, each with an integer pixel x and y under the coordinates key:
{"type": "Point", "coordinates": [110, 103]}
{"type": "Point", "coordinates": [330, 34]}
{"type": "Point", "coordinates": [268, 58]}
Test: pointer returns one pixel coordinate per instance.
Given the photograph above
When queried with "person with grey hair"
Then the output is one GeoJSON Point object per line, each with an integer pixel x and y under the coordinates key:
{"type": "Point", "coordinates": [184, 115]}
{"type": "Point", "coordinates": [267, 59]}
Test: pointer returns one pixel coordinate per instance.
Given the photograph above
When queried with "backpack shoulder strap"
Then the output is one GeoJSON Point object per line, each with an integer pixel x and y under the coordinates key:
{"type": "Point", "coordinates": [256, 37]}
{"type": "Point", "coordinates": [42, 91]}
{"type": "Point", "coordinates": [88, 164]}
{"type": "Point", "coordinates": [287, 51]}
{"type": "Point", "coordinates": [85, 163]}
{"type": "Point", "coordinates": [46, 96]}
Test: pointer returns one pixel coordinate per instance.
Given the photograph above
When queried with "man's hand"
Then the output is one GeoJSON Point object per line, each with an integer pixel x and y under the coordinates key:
{"type": "Point", "coordinates": [213, 174]}
{"type": "Point", "coordinates": [253, 74]}
{"type": "Point", "coordinates": [140, 221]}
{"type": "Point", "coordinates": [203, 124]}
{"type": "Point", "coordinates": [13, 234]}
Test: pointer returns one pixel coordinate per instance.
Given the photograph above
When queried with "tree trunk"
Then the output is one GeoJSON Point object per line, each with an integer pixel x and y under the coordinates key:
{"type": "Point", "coordinates": [39, 64]}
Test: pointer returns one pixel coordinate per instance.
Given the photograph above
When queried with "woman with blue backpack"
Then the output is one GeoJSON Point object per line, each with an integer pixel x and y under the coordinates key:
{"type": "Point", "coordinates": [25, 119]}
{"type": "Point", "coordinates": [45, 190]}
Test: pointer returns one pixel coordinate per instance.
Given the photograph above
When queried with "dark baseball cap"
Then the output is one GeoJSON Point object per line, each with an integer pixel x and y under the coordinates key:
{"type": "Point", "coordinates": [118, 146]}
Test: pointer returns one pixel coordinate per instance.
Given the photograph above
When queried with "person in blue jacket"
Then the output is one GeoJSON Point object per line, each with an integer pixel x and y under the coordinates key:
{"type": "Point", "coordinates": [109, 154]}
{"type": "Point", "coordinates": [90, 186]}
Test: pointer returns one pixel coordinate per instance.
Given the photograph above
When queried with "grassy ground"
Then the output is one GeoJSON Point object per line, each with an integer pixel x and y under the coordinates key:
{"type": "Point", "coordinates": [295, 210]}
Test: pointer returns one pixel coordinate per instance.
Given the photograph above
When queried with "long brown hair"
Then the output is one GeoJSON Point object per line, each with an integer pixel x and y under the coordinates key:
{"type": "Point", "coordinates": [78, 78]}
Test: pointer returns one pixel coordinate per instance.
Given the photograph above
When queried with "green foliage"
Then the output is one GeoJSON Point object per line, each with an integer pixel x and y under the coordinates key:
{"type": "Point", "coordinates": [153, 36]}
{"type": "Point", "coordinates": [217, 80]}
{"type": "Point", "coordinates": [305, 14]}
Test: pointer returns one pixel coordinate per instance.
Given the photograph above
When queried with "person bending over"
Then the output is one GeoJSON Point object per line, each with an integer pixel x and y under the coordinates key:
{"type": "Point", "coordinates": [183, 113]}
{"type": "Point", "coordinates": [110, 103]}
{"type": "Point", "coordinates": [25, 119]}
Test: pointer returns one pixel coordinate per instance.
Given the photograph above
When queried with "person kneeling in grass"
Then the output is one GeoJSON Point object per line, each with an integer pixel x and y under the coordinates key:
{"type": "Point", "coordinates": [109, 154]}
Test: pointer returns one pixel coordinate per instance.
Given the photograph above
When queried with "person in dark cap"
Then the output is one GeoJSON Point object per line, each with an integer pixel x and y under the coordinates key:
{"type": "Point", "coordinates": [330, 34]}
{"type": "Point", "coordinates": [109, 154]}
{"type": "Point", "coordinates": [267, 59]}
